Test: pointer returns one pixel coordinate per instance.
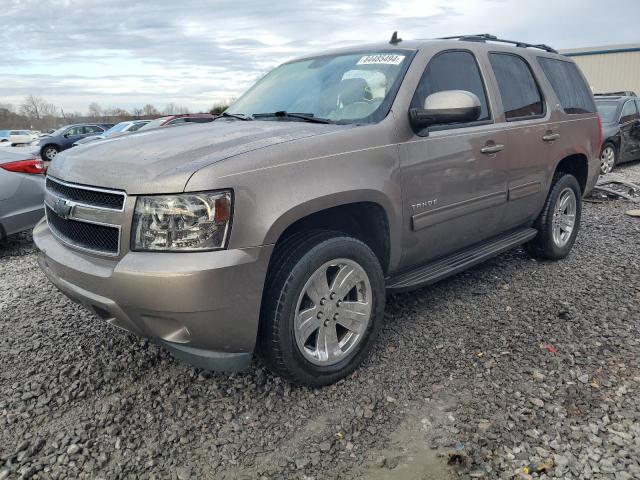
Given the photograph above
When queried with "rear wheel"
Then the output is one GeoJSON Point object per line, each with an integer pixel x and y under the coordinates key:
{"type": "Point", "coordinates": [559, 222]}
{"type": "Point", "coordinates": [49, 152]}
{"type": "Point", "coordinates": [608, 158]}
{"type": "Point", "coordinates": [322, 308]}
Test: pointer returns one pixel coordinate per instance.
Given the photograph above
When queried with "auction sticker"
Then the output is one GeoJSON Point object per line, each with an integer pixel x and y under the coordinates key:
{"type": "Point", "coordinates": [381, 59]}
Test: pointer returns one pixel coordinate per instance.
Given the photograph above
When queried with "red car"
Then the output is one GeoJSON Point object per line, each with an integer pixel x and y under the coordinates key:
{"type": "Point", "coordinates": [178, 120]}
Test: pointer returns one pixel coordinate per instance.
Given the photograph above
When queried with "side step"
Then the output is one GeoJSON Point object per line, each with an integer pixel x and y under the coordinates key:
{"type": "Point", "coordinates": [459, 261]}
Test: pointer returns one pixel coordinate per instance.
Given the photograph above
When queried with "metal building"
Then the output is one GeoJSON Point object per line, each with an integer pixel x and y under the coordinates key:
{"type": "Point", "coordinates": [609, 69]}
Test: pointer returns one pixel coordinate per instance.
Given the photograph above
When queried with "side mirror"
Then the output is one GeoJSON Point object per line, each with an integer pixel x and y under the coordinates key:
{"type": "Point", "coordinates": [448, 106]}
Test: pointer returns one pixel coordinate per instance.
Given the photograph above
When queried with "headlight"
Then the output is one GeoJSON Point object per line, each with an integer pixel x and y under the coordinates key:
{"type": "Point", "coordinates": [185, 222]}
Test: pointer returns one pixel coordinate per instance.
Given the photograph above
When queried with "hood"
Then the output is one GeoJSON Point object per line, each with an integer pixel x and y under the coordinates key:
{"type": "Point", "coordinates": [163, 160]}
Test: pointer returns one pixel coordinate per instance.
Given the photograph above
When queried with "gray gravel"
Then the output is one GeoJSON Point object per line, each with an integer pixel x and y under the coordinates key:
{"type": "Point", "coordinates": [513, 363]}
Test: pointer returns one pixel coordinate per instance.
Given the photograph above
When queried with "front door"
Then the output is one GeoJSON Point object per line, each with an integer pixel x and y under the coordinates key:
{"type": "Point", "coordinates": [629, 132]}
{"type": "Point", "coordinates": [453, 176]}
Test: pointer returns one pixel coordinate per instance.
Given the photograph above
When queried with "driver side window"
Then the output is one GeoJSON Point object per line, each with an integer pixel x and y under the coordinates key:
{"type": "Point", "coordinates": [73, 131]}
{"type": "Point", "coordinates": [452, 70]}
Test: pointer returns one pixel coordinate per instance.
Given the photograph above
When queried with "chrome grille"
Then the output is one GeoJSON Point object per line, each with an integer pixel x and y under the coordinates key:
{"type": "Point", "coordinates": [84, 235]}
{"type": "Point", "coordinates": [89, 196]}
{"type": "Point", "coordinates": [83, 217]}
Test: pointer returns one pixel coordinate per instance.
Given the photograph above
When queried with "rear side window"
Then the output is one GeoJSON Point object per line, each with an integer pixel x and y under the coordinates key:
{"type": "Point", "coordinates": [629, 112]}
{"type": "Point", "coordinates": [519, 91]}
{"type": "Point", "coordinates": [452, 70]}
{"type": "Point", "coordinates": [574, 94]}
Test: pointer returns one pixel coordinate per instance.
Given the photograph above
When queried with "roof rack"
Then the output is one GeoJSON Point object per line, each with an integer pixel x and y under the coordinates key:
{"type": "Point", "coordinates": [484, 37]}
{"type": "Point", "coordinates": [625, 93]}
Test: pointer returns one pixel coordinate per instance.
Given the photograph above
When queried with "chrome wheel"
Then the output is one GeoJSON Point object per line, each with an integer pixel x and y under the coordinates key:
{"type": "Point", "coordinates": [333, 312]}
{"type": "Point", "coordinates": [564, 217]}
{"type": "Point", "coordinates": [50, 153]}
{"type": "Point", "coordinates": [607, 159]}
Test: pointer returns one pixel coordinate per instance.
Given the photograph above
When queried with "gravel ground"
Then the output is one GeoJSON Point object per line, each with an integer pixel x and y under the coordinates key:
{"type": "Point", "coordinates": [513, 363]}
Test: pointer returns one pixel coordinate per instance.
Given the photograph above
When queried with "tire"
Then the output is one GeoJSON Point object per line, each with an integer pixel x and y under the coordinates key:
{"type": "Point", "coordinates": [555, 239]}
{"type": "Point", "coordinates": [608, 158]}
{"type": "Point", "coordinates": [300, 270]}
{"type": "Point", "coordinates": [49, 152]}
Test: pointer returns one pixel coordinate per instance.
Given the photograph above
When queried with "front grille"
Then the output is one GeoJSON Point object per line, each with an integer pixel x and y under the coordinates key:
{"type": "Point", "coordinates": [89, 236]}
{"type": "Point", "coordinates": [87, 195]}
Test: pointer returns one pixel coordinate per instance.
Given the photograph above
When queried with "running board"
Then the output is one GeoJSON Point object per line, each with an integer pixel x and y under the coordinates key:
{"type": "Point", "coordinates": [459, 261]}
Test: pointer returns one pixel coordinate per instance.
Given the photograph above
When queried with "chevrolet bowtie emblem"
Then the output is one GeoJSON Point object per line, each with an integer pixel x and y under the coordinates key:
{"type": "Point", "coordinates": [63, 208]}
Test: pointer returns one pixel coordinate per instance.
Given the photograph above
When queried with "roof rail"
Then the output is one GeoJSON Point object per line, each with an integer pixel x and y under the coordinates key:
{"type": "Point", "coordinates": [484, 37]}
{"type": "Point", "coordinates": [625, 93]}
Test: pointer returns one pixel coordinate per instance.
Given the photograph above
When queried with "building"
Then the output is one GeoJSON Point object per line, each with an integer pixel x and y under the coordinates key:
{"type": "Point", "coordinates": [609, 69]}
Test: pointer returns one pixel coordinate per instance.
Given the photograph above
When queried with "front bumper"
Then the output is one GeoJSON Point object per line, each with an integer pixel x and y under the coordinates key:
{"type": "Point", "coordinates": [204, 307]}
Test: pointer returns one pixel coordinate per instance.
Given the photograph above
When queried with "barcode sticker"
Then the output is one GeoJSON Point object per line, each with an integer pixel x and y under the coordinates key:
{"type": "Point", "coordinates": [381, 59]}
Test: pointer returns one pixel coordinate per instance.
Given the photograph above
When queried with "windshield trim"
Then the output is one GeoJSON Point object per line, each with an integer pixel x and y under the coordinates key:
{"type": "Point", "coordinates": [382, 112]}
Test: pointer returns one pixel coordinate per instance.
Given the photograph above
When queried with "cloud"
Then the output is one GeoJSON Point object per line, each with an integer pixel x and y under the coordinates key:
{"type": "Point", "coordinates": [196, 53]}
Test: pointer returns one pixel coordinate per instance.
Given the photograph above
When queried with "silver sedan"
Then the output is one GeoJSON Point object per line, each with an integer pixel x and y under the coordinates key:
{"type": "Point", "coordinates": [22, 184]}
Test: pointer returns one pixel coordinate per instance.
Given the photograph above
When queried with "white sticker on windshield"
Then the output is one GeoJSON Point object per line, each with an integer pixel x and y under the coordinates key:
{"type": "Point", "coordinates": [381, 59]}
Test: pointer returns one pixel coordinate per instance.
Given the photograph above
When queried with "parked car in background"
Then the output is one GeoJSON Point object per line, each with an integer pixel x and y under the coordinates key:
{"type": "Point", "coordinates": [21, 192]}
{"type": "Point", "coordinates": [279, 228]}
{"type": "Point", "coordinates": [179, 120]}
{"type": "Point", "coordinates": [620, 116]}
{"type": "Point", "coordinates": [14, 138]}
{"type": "Point", "coordinates": [64, 137]}
{"type": "Point", "coordinates": [118, 129]}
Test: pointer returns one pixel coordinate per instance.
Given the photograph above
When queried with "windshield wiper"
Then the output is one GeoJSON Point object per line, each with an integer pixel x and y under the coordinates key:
{"type": "Point", "coordinates": [237, 116]}
{"type": "Point", "coordinates": [308, 117]}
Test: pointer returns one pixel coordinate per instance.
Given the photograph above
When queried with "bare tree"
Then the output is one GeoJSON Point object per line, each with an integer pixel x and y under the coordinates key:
{"type": "Point", "coordinates": [137, 112]}
{"type": "Point", "coordinates": [218, 108]}
{"type": "Point", "coordinates": [149, 110]}
{"type": "Point", "coordinates": [36, 108]}
{"type": "Point", "coordinates": [95, 110]}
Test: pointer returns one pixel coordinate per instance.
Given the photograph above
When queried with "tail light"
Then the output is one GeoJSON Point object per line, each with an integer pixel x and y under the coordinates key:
{"type": "Point", "coordinates": [33, 166]}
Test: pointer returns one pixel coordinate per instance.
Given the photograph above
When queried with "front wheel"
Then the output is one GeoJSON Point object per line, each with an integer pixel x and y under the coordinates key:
{"type": "Point", "coordinates": [49, 152]}
{"type": "Point", "coordinates": [322, 308]}
{"type": "Point", "coordinates": [559, 222]}
{"type": "Point", "coordinates": [608, 158]}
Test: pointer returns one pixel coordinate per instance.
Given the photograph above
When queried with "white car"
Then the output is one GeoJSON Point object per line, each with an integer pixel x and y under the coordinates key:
{"type": "Point", "coordinates": [12, 138]}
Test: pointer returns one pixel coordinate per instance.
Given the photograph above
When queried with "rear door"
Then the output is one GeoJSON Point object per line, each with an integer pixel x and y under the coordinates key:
{"type": "Point", "coordinates": [525, 119]}
{"type": "Point", "coordinates": [629, 132]}
{"type": "Point", "coordinates": [453, 176]}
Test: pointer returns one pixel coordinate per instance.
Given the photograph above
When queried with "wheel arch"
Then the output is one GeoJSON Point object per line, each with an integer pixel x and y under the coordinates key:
{"type": "Point", "coordinates": [368, 217]}
{"type": "Point", "coordinates": [576, 164]}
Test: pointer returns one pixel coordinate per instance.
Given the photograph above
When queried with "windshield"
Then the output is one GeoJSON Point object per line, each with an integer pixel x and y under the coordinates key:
{"type": "Point", "coordinates": [607, 111]}
{"type": "Point", "coordinates": [158, 122]}
{"type": "Point", "coordinates": [118, 127]}
{"type": "Point", "coordinates": [59, 131]}
{"type": "Point", "coordinates": [348, 88]}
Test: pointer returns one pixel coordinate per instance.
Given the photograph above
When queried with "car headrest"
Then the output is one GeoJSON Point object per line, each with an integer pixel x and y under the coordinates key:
{"type": "Point", "coordinates": [354, 90]}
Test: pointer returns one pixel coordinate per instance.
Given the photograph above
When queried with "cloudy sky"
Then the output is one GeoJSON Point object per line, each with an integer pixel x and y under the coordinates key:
{"type": "Point", "coordinates": [198, 52]}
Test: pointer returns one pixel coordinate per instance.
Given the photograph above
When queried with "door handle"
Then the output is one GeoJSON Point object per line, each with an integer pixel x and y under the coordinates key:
{"type": "Point", "coordinates": [551, 137]}
{"type": "Point", "coordinates": [489, 149]}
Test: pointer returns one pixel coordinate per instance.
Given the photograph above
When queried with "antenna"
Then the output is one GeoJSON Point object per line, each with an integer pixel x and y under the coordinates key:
{"type": "Point", "coordinates": [394, 39]}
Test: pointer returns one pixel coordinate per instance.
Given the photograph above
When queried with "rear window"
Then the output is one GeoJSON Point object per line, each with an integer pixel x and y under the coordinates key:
{"type": "Point", "coordinates": [574, 94]}
{"type": "Point", "coordinates": [519, 91]}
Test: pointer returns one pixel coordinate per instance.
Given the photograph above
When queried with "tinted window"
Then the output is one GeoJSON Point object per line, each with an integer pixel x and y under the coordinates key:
{"type": "Point", "coordinates": [452, 71]}
{"type": "Point", "coordinates": [574, 94]}
{"type": "Point", "coordinates": [629, 112]}
{"type": "Point", "coordinates": [520, 94]}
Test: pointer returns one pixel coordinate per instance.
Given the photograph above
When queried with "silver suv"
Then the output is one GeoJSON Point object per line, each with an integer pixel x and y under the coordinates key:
{"type": "Point", "coordinates": [279, 227]}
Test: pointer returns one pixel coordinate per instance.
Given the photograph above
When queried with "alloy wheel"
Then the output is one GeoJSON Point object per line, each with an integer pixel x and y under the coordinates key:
{"type": "Point", "coordinates": [607, 159]}
{"type": "Point", "coordinates": [564, 217]}
{"type": "Point", "coordinates": [333, 312]}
